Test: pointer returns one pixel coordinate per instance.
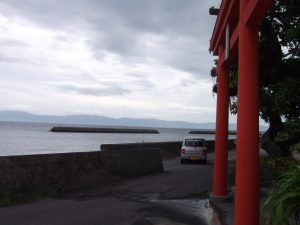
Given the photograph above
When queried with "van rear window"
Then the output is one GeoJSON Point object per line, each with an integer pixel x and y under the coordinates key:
{"type": "Point", "coordinates": [194, 142]}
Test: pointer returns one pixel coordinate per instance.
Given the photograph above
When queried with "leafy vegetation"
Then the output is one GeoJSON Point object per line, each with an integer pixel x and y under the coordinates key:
{"type": "Point", "coordinates": [277, 163]}
{"type": "Point", "coordinates": [19, 198]}
{"type": "Point", "coordinates": [283, 203]}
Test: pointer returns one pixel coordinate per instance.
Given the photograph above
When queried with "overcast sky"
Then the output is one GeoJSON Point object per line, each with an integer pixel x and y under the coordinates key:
{"type": "Point", "coordinates": [117, 58]}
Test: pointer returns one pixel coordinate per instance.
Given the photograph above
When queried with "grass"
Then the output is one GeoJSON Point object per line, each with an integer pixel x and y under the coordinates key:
{"type": "Point", "coordinates": [19, 198]}
{"type": "Point", "coordinates": [278, 163]}
{"type": "Point", "coordinates": [282, 204]}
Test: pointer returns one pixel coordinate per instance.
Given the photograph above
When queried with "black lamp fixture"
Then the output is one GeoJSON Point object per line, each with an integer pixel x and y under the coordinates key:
{"type": "Point", "coordinates": [213, 11]}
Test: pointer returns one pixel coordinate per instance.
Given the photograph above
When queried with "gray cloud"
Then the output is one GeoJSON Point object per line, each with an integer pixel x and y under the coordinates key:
{"type": "Point", "coordinates": [99, 90]}
{"type": "Point", "coordinates": [18, 60]}
{"type": "Point", "coordinates": [117, 26]}
{"type": "Point", "coordinates": [13, 43]}
{"type": "Point", "coordinates": [142, 84]}
{"type": "Point", "coordinates": [95, 87]}
{"type": "Point", "coordinates": [143, 15]}
{"type": "Point", "coordinates": [138, 50]}
{"type": "Point", "coordinates": [9, 59]}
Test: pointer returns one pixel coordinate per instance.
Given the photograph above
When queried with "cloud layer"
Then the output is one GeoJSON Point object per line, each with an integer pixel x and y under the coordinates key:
{"type": "Point", "coordinates": [134, 58]}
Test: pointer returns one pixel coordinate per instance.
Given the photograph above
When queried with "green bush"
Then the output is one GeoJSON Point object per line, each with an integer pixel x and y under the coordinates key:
{"type": "Point", "coordinates": [292, 125]}
{"type": "Point", "coordinates": [19, 198]}
{"type": "Point", "coordinates": [268, 162]}
{"type": "Point", "coordinates": [283, 203]}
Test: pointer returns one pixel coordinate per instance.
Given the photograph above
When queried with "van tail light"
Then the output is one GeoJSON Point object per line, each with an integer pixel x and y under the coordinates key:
{"type": "Point", "coordinates": [204, 152]}
{"type": "Point", "coordinates": [183, 151]}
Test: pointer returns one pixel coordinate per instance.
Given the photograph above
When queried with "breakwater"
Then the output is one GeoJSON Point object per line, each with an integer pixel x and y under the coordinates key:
{"type": "Point", "coordinates": [103, 130]}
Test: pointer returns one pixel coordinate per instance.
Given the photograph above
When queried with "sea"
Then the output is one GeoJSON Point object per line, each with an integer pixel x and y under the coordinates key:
{"type": "Point", "coordinates": [24, 138]}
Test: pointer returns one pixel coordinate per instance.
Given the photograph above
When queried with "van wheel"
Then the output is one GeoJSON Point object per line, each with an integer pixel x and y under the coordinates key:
{"type": "Point", "coordinates": [182, 161]}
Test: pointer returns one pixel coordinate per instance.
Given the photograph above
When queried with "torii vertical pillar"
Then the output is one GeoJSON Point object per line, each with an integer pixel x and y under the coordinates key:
{"type": "Point", "coordinates": [247, 161]}
{"type": "Point", "coordinates": [242, 18]}
{"type": "Point", "coordinates": [221, 143]}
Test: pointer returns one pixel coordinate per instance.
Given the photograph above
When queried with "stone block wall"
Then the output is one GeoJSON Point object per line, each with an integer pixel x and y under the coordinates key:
{"type": "Point", "coordinates": [68, 171]}
{"type": "Point", "coordinates": [167, 149]}
{"type": "Point", "coordinates": [132, 162]}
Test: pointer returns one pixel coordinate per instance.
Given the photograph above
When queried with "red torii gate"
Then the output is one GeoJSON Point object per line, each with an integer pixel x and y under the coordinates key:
{"type": "Point", "coordinates": [236, 35]}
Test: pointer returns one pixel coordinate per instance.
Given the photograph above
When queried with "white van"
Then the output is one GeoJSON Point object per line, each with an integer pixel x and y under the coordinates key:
{"type": "Point", "coordinates": [194, 149]}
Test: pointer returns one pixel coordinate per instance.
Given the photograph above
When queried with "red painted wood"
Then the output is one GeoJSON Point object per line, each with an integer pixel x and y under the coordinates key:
{"type": "Point", "coordinates": [234, 40]}
{"type": "Point", "coordinates": [217, 27]}
{"type": "Point", "coordinates": [221, 56]}
{"type": "Point", "coordinates": [221, 144]}
{"type": "Point", "coordinates": [244, 17]}
{"type": "Point", "coordinates": [226, 15]}
{"type": "Point", "coordinates": [255, 11]}
{"type": "Point", "coordinates": [233, 49]}
{"type": "Point", "coordinates": [229, 13]}
{"type": "Point", "coordinates": [247, 158]}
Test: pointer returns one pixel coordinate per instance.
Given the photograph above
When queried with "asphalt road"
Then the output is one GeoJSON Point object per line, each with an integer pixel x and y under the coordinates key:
{"type": "Point", "coordinates": [153, 199]}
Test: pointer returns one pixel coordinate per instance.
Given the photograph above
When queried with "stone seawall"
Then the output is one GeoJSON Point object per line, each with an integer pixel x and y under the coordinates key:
{"type": "Point", "coordinates": [62, 172]}
{"type": "Point", "coordinates": [40, 174]}
{"type": "Point", "coordinates": [132, 162]}
{"type": "Point", "coordinates": [167, 149]}
{"type": "Point", "coordinates": [211, 145]}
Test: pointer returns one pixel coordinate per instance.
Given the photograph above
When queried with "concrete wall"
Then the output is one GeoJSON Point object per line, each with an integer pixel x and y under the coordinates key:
{"type": "Point", "coordinates": [63, 172]}
{"type": "Point", "coordinates": [211, 145]}
{"type": "Point", "coordinates": [167, 149]}
{"type": "Point", "coordinates": [67, 171]}
{"type": "Point", "coordinates": [132, 162]}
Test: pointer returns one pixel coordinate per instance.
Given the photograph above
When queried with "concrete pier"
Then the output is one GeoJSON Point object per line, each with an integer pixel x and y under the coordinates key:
{"type": "Point", "coordinates": [103, 130]}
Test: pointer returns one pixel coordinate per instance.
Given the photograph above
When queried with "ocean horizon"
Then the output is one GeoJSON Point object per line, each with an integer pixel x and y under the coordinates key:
{"type": "Point", "coordinates": [27, 138]}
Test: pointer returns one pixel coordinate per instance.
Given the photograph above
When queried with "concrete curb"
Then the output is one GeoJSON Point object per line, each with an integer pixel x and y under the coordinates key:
{"type": "Point", "coordinates": [223, 216]}
{"type": "Point", "coordinates": [219, 199]}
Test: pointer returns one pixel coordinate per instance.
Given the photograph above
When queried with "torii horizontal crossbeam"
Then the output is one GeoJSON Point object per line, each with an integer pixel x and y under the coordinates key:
{"type": "Point", "coordinates": [229, 15]}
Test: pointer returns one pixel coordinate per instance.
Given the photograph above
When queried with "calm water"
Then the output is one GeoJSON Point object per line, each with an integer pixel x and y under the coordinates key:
{"type": "Point", "coordinates": [17, 138]}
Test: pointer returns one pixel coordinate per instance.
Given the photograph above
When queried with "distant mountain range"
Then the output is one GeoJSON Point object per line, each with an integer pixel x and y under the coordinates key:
{"type": "Point", "coordinates": [104, 121]}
